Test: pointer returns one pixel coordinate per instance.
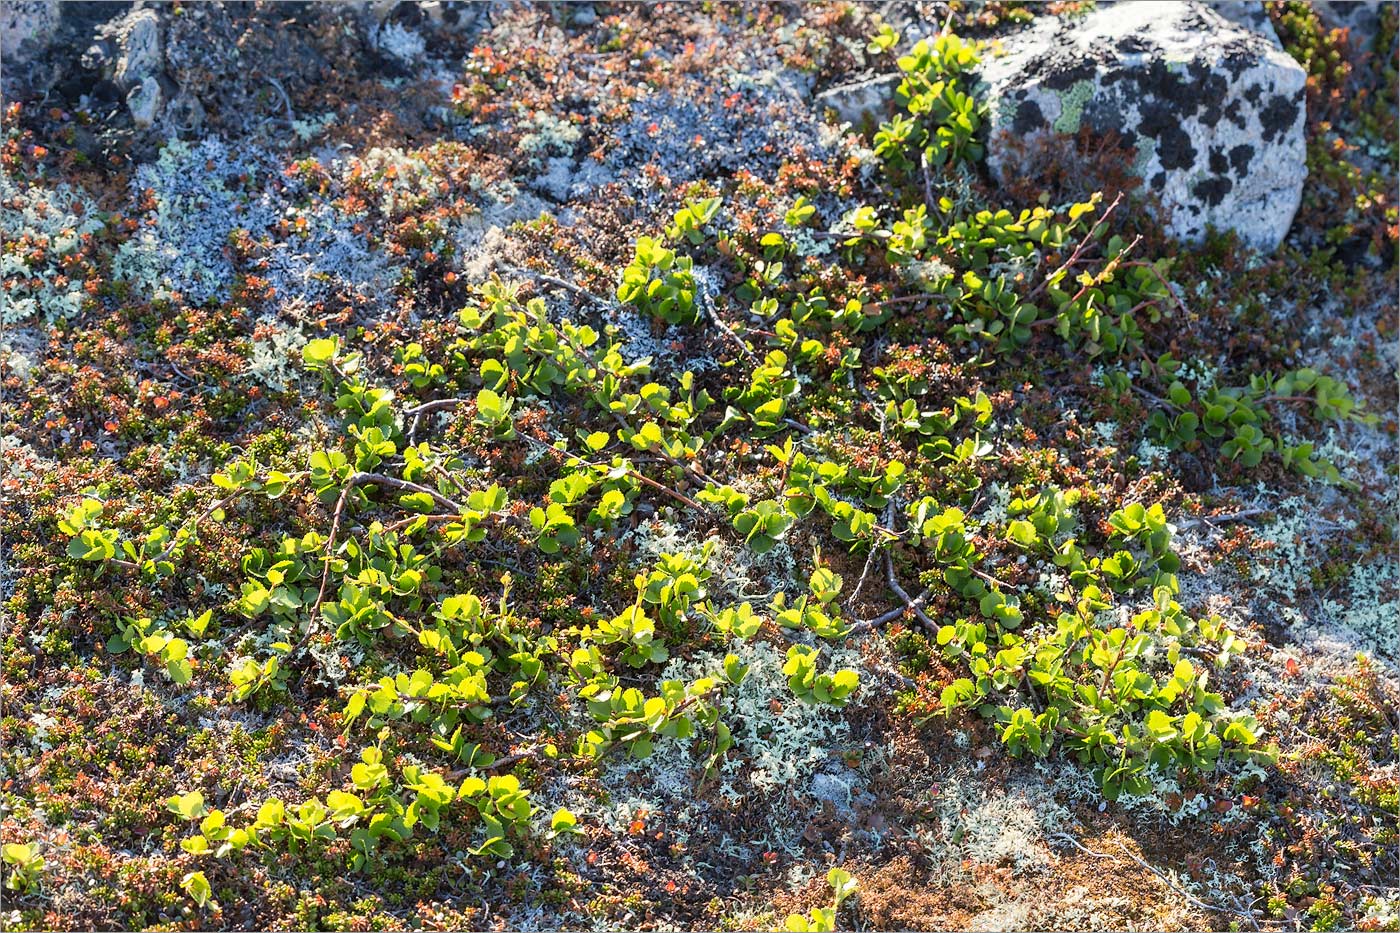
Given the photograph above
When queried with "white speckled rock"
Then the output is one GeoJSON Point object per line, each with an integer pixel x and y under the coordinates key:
{"type": "Point", "coordinates": [852, 102]}
{"type": "Point", "coordinates": [1213, 110]}
{"type": "Point", "coordinates": [138, 48]}
{"type": "Point", "coordinates": [144, 102]}
{"type": "Point", "coordinates": [129, 49]}
{"type": "Point", "coordinates": [25, 28]}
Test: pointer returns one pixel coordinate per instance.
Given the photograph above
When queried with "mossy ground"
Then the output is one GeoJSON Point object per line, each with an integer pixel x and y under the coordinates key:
{"type": "Point", "coordinates": [545, 147]}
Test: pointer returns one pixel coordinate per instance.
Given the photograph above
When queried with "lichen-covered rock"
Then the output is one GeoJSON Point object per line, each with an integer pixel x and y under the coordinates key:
{"type": "Point", "coordinates": [1214, 111]}
{"type": "Point", "coordinates": [25, 28]}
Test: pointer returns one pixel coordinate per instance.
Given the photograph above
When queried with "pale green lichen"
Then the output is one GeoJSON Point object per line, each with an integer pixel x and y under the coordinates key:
{"type": "Point", "coordinates": [182, 248]}
{"type": "Point", "coordinates": [275, 357]}
{"type": "Point", "coordinates": [1370, 607]}
{"type": "Point", "coordinates": [1146, 153]}
{"type": "Point", "coordinates": [1072, 104]}
{"type": "Point", "coordinates": [547, 133]}
{"type": "Point", "coordinates": [311, 127]}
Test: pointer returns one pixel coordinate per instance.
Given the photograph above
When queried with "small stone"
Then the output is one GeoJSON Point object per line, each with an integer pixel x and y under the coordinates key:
{"type": "Point", "coordinates": [98, 56]}
{"type": "Point", "coordinates": [144, 102]}
{"type": "Point", "coordinates": [852, 102]}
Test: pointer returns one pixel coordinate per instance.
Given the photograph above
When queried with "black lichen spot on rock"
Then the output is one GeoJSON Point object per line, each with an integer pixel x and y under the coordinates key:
{"type": "Point", "coordinates": [1106, 113]}
{"type": "Point", "coordinates": [1060, 76]}
{"type": "Point", "coordinates": [1235, 114]}
{"type": "Point", "coordinates": [1169, 84]}
{"type": "Point", "coordinates": [1278, 117]}
{"type": "Point", "coordinates": [1211, 90]}
{"type": "Point", "coordinates": [1163, 124]}
{"type": "Point", "coordinates": [1159, 181]}
{"type": "Point", "coordinates": [1213, 190]}
{"type": "Point", "coordinates": [1240, 157]}
{"type": "Point", "coordinates": [1174, 148]}
{"type": "Point", "coordinates": [1134, 44]}
{"type": "Point", "coordinates": [1237, 57]}
{"type": "Point", "coordinates": [1253, 92]}
{"type": "Point", "coordinates": [1029, 118]}
{"type": "Point", "coordinates": [1218, 163]}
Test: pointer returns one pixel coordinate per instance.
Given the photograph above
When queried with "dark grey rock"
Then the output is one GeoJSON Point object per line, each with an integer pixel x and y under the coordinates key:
{"type": "Point", "coordinates": [25, 28]}
{"type": "Point", "coordinates": [1361, 17]}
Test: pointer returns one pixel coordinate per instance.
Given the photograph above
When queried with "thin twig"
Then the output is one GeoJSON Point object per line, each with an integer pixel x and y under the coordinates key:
{"type": "Point", "coordinates": [798, 426]}
{"type": "Point", "coordinates": [287, 101]}
{"type": "Point", "coordinates": [1212, 520]}
{"type": "Point", "coordinates": [864, 575]}
{"type": "Point", "coordinates": [192, 525]}
{"type": "Point", "coordinates": [311, 624]}
{"type": "Point", "coordinates": [987, 577]}
{"type": "Point", "coordinates": [400, 485]}
{"type": "Point", "coordinates": [431, 519]}
{"type": "Point", "coordinates": [826, 234]}
{"type": "Point", "coordinates": [909, 603]}
{"type": "Point", "coordinates": [1108, 671]}
{"type": "Point", "coordinates": [947, 20]}
{"type": "Point", "coordinates": [898, 612]}
{"type": "Point", "coordinates": [558, 282]}
{"type": "Point", "coordinates": [1163, 878]}
{"type": "Point", "coordinates": [726, 330]}
{"type": "Point", "coordinates": [442, 404]}
{"type": "Point", "coordinates": [1152, 266]}
{"type": "Point", "coordinates": [1165, 403]}
{"type": "Point", "coordinates": [1078, 250]}
{"type": "Point", "coordinates": [903, 299]}
{"type": "Point", "coordinates": [500, 764]}
{"type": "Point", "coordinates": [888, 518]}
{"type": "Point", "coordinates": [1180, 890]}
{"type": "Point", "coordinates": [928, 183]}
{"type": "Point", "coordinates": [359, 479]}
{"type": "Point", "coordinates": [1080, 846]}
{"type": "Point", "coordinates": [1107, 266]}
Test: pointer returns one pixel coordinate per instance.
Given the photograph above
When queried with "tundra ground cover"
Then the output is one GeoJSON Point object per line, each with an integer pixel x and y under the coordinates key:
{"type": "Point", "coordinates": [403, 539]}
